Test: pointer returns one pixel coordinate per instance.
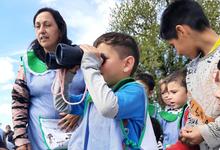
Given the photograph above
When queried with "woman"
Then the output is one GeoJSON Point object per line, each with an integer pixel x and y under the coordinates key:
{"type": "Point", "coordinates": [32, 96]}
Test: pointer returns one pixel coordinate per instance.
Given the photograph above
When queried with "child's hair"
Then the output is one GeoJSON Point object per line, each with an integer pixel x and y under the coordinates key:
{"type": "Point", "coordinates": [178, 76]}
{"type": "Point", "coordinates": [147, 78]}
{"type": "Point", "coordinates": [128, 45]}
{"type": "Point", "coordinates": [182, 12]}
{"type": "Point", "coordinates": [160, 100]}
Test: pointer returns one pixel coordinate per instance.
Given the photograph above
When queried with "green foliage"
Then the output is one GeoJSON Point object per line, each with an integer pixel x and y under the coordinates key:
{"type": "Point", "coordinates": [212, 10]}
{"type": "Point", "coordinates": [141, 18]}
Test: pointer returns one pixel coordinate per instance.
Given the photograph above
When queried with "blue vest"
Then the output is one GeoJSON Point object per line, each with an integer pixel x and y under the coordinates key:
{"type": "Point", "coordinates": [41, 98]}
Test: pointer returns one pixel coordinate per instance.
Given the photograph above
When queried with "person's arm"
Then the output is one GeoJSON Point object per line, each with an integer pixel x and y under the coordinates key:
{"type": "Point", "coordinates": [68, 121]}
{"type": "Point", "coordinates": [59, 102]}
{"type": "Point", "coordinates": [103, 97]}
{"type": "Point", "coordinates": [108, 103]}
{"type": "Point", "coordinates": [211, 132]}
{"type": "Point", "coordinates": [20, 103]}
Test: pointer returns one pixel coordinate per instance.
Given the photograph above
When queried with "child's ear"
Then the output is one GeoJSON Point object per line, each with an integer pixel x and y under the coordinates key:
{"type": "Point", "coordinates": [180, 31]}
{"type": "Point", "coordinates": [129, 63]}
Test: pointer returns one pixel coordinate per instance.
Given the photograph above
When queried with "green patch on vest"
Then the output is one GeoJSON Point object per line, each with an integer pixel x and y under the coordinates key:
{"type": "Point", "coordinates": [169, 116]}
{"type": "Point", "coordinates": [35, 64]}
{"type": "Point", "coordinates": [151, 109]}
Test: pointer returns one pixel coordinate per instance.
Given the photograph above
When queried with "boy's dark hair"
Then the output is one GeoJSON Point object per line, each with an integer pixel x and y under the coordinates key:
{"type": "Point", "coordinates": [128, 44]}
{"type": "Point", "coordinates": [182, 12]}
{"type": "Point", "coordinates": [38, 49]}
{"type": "Point", "coordinates": [178, 76]}
{"type": "Point", "coordinates": [147, 78]}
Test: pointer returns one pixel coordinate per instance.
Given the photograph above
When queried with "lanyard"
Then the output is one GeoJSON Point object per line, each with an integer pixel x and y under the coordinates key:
{"type": "Point", "coordinates": [217, 44]}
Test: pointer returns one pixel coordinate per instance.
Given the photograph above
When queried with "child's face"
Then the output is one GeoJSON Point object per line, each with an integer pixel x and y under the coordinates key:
{"type": "Point", "coordinates": [183, 48]}
{"type": "Point", "coordinates": [164, 93]}
{"type": "Point", "coordinates": [112, 69]}
{"type": "Point", "coordinates": [185, 42]}
{"type": "Point", "coordinates": [177, 94]}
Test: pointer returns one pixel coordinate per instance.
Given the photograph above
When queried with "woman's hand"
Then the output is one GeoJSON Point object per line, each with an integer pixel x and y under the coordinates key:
{"type": "Point", "coordinates": [68, 122]}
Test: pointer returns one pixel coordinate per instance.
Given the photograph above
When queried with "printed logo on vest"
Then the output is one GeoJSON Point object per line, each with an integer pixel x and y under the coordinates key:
{"type": "Point", "coordinates": [197, 111]}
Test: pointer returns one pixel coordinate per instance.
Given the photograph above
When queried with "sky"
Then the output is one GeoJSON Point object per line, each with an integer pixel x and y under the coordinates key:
{"type": "Point", "coordinates": [86, 20]}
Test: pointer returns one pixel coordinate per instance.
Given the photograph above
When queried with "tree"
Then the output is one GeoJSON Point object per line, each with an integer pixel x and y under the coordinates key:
{"type": "Point", "coordinates": [141, 18]}
{"type": "Point", "coordinates": [212, 10]}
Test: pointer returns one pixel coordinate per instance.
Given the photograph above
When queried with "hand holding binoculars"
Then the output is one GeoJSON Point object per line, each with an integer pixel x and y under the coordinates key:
{"type": "Point", "coordinates": [66, 56]}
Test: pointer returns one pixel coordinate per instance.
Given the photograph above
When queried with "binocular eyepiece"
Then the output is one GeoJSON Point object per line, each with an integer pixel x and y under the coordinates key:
{"type": "Point", "coordinates": [65, 56]}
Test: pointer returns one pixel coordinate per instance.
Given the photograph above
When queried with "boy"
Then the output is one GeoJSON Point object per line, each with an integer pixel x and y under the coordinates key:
{"type": "Point", "coordinates": [115, 103]}
{"type": "Point", "coordinates": [185, 26]}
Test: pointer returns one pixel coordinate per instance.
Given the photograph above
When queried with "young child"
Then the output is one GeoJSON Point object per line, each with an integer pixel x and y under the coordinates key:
{"type": "Point", "coordinates": [114, 108]}
{"type": "Point", "coordinates": [163, 94]}
{"type": "Point", "coordinates": [171, 119]}
{"type": "Point", "coordinates": [148, 82]}
{"type": "Point", "coordinates": [185, 26]}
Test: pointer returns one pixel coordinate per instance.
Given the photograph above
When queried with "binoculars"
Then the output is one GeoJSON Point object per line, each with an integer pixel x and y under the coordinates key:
{"type": "Point", "coordinates": [65, 56]}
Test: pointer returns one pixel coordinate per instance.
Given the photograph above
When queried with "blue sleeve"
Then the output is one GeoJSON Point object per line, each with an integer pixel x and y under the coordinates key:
{"type": "Point", "coordinates": [131, 101]}
{"type": "Point", "coordinates": [77, 109]}
{"type": "Point", "coordinates": [77, 85]}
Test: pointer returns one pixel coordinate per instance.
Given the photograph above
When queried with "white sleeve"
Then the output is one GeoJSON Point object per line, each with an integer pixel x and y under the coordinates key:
{"type": "Point", "coordinates": [103, 97]}
{"type": "Point", "coordinates": [211, 133]}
